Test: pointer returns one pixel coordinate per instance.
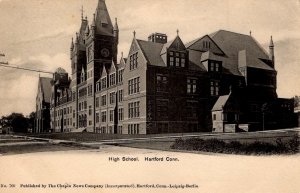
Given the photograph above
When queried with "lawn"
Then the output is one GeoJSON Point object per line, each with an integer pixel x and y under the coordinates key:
{"type": "Point", "coordinates": [33, 148]}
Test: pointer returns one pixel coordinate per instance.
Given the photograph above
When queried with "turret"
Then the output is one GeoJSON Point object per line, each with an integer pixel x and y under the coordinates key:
{"type": "Point", "coordinates": [116, 30]}
{"type": "Point", "coordinates": [271, 52]}
{"type": "Point", "coordinates": [72, 45]}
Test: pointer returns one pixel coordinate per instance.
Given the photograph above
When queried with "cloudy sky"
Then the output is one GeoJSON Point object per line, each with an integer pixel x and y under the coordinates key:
{"type": "Point", "coordinates": [37, 34]}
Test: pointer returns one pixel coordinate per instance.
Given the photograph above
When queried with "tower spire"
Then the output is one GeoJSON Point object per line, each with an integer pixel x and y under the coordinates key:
{"type": "Point", "coordinates": [271, 51]}
{"type": "Point", "coordinates": [103, 22]}
{"type": "Point", "coordinates": [82, 11]}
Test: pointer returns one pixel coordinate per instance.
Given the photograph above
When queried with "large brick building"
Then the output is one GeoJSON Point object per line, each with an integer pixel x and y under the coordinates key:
{"type": "Point", "coordinates": [214, 83]}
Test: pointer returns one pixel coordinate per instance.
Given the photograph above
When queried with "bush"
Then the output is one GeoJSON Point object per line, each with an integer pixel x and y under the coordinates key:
{"type": "Point", "coordinates": [219, 146]}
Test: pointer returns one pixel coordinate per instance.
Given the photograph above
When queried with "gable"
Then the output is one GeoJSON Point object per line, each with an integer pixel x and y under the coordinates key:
{"type": "Point", "coordinates": [205, 44]}
{"type": "Point", "coordinates": [177, 44]}
{"type": "Point", "coordinates": [134, 47]}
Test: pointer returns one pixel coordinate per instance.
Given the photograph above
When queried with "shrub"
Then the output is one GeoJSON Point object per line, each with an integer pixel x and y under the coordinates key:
{"type": "Point", "coordinates": [219, 146]}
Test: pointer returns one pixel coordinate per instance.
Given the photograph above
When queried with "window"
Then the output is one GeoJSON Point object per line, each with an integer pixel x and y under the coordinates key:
{"type": "Point", "coordinates": [90, 89]}
{"type": "Point", "coordinates": [111, 115]}
{"type": "Point", "coordinates": [73, 113]}
{"type": "Point", "coordinates": [103, 100]}
{"type": "Point", "coordinates": [97, 102]}
{"type": "Point", "coordinates": [134, 109]}
{"type": "Point", "coordinates": [214, 88]}
{"type": "Point", "coordinates": [112, 79]}
{"type": "Point", "coordinates": [191, 86]}
{"type": "Point", "coordinates": [191, 107]}
{"type": "Point", "coordinates": [177, 59]}
{"type": "Point", "coordinates": [120, 95]}
{"type": "Point", "coordinates": [120, 128]}
{"type": "Point", "coordinates": [112, 97]}
{"type": "Point", "coordinates": [97, 118]}
{"type": "Point", "coordinates": [206, 44]}
{"type": "Point", "coordinates": [82, 77]}
{"type": "Point", "coordinates": [85, 105]}
{"type": "Point", "coordinates": [120, 75]}
{"type": "Point", "coordinates": [103, 83]}
{"type": "Point", "coordinates": [133, 61]}
{"type": "Point", "coordinates": [82, 92]}
{"type": "Point", "coordinates": [133, 129]}
{"type": "Point", "coordinates": [134, 85]}
{"type": "Point", "coordinates": [103, 116]}
{"type": "Point", "coordinates": [97, 87]}
{"type": "Point", "coordinates": [215, 66]}
{"type": "Point", "coordinates": [161, 83]}
{"type": "Point", "coordinates": [121, 114]}
{"type": "Point", "coordinates": [90, 110]}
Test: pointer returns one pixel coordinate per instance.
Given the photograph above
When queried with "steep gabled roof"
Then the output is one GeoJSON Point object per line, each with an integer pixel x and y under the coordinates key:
{"type": "Point", "coordinates": [221, 102]}
{"type": "Point", "coordinates": [103, 22]}
{"type": "Point", "coordinates": [232, 43]}
{"type": "Point", "coordinates": [151, 51]}
{"type": "Point", "coordinates": [176, 44]}
{"type": "Point", "coordinates": [45, 84]}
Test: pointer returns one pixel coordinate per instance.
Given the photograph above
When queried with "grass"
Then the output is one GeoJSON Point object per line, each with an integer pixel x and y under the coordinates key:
{"type": "Point", "coordinates": [94, 137]}
{"type": "Point", "coordinates": [290, 146]}
{"type": "Point", "coordinates": [33, 148]}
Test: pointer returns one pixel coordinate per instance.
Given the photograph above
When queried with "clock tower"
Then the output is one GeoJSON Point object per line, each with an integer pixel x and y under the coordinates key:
{"type": "Point", "coordinates": [101, 51]}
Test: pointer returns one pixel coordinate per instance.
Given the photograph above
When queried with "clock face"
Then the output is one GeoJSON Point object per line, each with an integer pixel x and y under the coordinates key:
{"type": "Point", "coordinates": [105, 52]}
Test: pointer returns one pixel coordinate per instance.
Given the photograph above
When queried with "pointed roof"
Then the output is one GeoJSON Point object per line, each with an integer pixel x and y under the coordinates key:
{"type": "Point", "coordinates": [45, 84]}
{"type": "Point", "coordinates": [271, 42]}
{"type": "Point", "coordinates": [104, 72]}
{"type": "Point", "coordinates": [221, 102]}
{"type": "Point", "coordinates": [116, 27]}
{"type": "Point", "coordinates": [151, 51]}
{"type": "Point", "coordinates": [232, 43]}
{"type": "Point", "coordinates": [176, 44]}
{"type": "Point", "coordinates": [103, 22]}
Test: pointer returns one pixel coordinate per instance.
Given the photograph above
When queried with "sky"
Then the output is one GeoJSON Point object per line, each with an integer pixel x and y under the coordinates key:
{"type": "Point", "coordinates": [37, 34]}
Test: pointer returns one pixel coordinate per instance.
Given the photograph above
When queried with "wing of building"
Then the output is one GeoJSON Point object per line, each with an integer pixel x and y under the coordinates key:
{"type": "Point", "coordinates": [42, 121]}
{"type": "Point", "coordinates": [214, 83]}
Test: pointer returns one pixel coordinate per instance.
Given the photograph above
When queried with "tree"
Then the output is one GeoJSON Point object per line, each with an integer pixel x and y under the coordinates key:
{"type": "Point", "coordinates": [31, 119]}
{"type": "Point", "coordinates": [18, 122]}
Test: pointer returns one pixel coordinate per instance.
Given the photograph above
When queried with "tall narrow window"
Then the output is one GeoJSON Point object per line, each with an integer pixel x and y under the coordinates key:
{"type": "Point", "coordinates": [214, 88]}
{"type": "Point", "coordinates": [161, 83]}
{"type": "Point", "coordinates": [191, 86]}
{"type": "Point", "coordinates": [133, 61]}
{"type": "Point", "coordinates": [134, 86]}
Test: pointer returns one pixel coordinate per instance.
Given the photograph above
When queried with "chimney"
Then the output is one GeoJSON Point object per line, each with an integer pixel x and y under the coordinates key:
{"type": "Point", "coordinates": [158, 38]}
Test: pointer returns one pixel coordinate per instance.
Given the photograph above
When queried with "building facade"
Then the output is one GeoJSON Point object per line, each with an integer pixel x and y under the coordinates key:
{"type": "Point", "coordinates": [164, 86]}
{"type": "Point", "coordinates": [42, 119]}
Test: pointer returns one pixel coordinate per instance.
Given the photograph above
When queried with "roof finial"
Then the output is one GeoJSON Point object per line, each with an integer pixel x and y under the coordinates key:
{"type": "Point", "coordinates": [134, 33]}
{"type": "Point", "coordinates": [121, 54]}
{"type": "Point", "coordinates": [82, 12]}
{"type": "Point", "coordinates": [250, 33]}
{"type": "Point", "coordinates": [271, 42]}
{"type": "Point", "coordinates": [177, 32]}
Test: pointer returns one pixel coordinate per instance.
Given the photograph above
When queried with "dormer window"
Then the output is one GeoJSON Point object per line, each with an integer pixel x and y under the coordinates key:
{"type": "Point", "coordinates": [103, 83]}
{"type": "Point", "coordinates": [82, 78]}
{"type": "Point", "coordinates": [177, 59]}
{"type": "Point", "coordinates": [215, 66]}
{"type": "Point", "coordinates": [120, 75]}
{"type": "Point", "coordinates": [97, 87]}
{"type": "Point", "coordinates": [112, 79]}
